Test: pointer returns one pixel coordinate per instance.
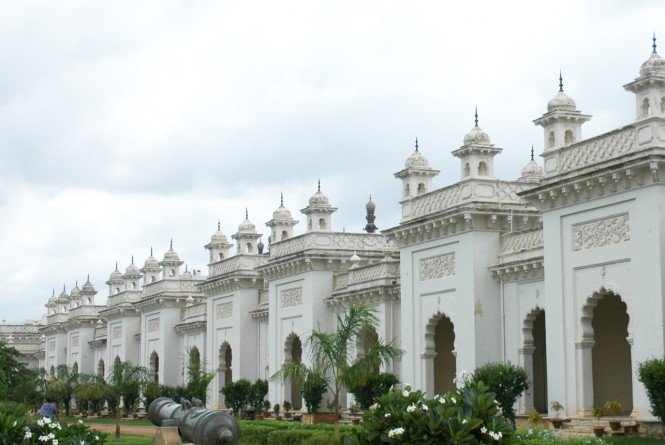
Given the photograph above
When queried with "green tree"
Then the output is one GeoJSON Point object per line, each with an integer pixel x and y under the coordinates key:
{"type": "Point", "coordinates": [238, 394]}
{"type": "Point", "coordinates": [62, 385]}
{"type": "Point", "coordinates": [507, 381]}
{"type": "Point", "coordinates": [331, 357]}
{"type": "Point", "coordinates": [91, 388]}
{"type": "Point", "coordinates": [124, 378]}
{"type": "Point", "coordinates": [652, 375]}
{"type": "Point", "coordinates": [312, 391]}
{"type": "Point", "coordinates": [198, 378]}
{"type": "Point", "coordinates": [11, 370]}
{"type": "Point", "coordinates": [376, 386]}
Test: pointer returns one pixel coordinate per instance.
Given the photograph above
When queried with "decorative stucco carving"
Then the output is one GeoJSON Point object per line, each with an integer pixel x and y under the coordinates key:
{"type": "Point", "coordinates": [116, 332]}
{"type": "Point", "coordinates": [75, 341]}
{"type": "Point", "coordinates": [51, 345]}
{"type": "Point", "coordinates": [601, 232]}
{"type": "Point", "coordinates": [224, 310]}
{"type": "Point", "coordinates": [437, 267]}
{"type": "Point", "coordinates": [597, 150]}
{"type": "Point", "coordinates": [153, 325]}
{"type": "Point", "coordinates": [291, 297]}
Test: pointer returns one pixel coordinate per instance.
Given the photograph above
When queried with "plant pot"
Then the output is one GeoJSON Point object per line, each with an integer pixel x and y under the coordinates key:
{"type": "Point", "coordinates": [287, 415]}
{"type": "Point", "coordinates": [278, 417]}
{"type": "Point", "coordinates": [355, 421]}
{"type": "Point", "coordinates": [598, 431]}
{"type": "Point", "coordinates": [258, 417]}
{"type": "Point", "coordinates": [557, 423]}
{"type": "Point", "coordinates": [615, 425]}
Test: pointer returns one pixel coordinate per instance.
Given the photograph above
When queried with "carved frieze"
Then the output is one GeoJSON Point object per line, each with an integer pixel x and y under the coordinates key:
{"type": "Point", "coordinates": [437, 267]}
{"type": "Point", "coordinates": [153, 325]}
{"type": "Point", "coordinates": [291, 297]}
{"type": "Point", "coordinates": [225, 310]}
{"type": "Point", "coordinates": [601, 232]}
{"type": "Point", "coordinates": [75, 341]}
{"type": "Point", "coordinates": [116, 332]}
{"type": "Point", "coordinates": [51, 345]}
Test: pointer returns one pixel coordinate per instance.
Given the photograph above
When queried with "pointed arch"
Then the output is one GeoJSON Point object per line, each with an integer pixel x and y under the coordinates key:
{"type": "Point", "coordinates": [101, 368]}
{"type": "Point", "coordinates": [440, 355]}
{"type": "Point", "coordinates": [75, 368]}
{"type": "Point", "coordinates": [225, 370]}
{"type": "Point", "coordinates": [153, 370]}
{"type": "Point", "coordinates": [605, 326]}
{"type": "Point", "coordinates": [293, 354]}
{"type": "Point", "coordinates": [117, 361]}
{"type": "Point", "coordinates": [533, 358]}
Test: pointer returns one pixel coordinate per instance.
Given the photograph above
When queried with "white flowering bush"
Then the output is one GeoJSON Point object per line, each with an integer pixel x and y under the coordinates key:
{"type": "Point", "coordinates": [468, 415]}
{"type": "Point", "coordinates": [17, 427]}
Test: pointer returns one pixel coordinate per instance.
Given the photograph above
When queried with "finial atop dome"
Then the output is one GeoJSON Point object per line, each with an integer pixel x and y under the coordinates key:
{"type": "Point", "coordinates": [281, 199]}
{"type": "Point", "coordinates": [416, 144]}
{"type": "Point", "coordinates": [532, 152]}
{"type": "Point", "coordinates": [318, 189]}
{"type": "Point", "coordinates": [476, 116]}
{"type": "Point", "coordinates": [654, 42]}
{"type": "Point", "coordinates": [219, 226]}
{"type": "Point", "coordinates": [171, 245]}
{"type": "Point", "coordinates": [116, 265]}
{"type": "Point", "coordinates": [560, 82]}
{"type": "Point", "coordinates": [476, 136]}
{"type": "Point", "coordinates": [132, 259]}
{"type": "Point", "coordinates": [246, 213]}
{"type": "Point", "coordinates": [532, 171]}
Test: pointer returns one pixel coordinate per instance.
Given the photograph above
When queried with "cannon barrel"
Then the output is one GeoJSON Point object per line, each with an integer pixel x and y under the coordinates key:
{"type": "Point", "coordinates": [200, 426]}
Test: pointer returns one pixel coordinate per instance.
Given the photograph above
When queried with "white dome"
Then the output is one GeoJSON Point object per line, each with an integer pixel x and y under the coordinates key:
{"type": "Point", "coordinates": [561, 102]}
{"type": "Point", "coordinates": [655, 65]}
{"type": "Point", "coordinates": [476, 137]}
{"type": "Point", "coordinates": [171, 255]}
{"type": "Point", "coordinates": [246, 227]}
{"type": "Point", "coordinates": [132, 269]}
{"type": "Point", "coordinates": [218, 237]}
{"type": "Point", "coordinates": [532, 170]}
{"type": "Point", "coordinates": [318, 199]}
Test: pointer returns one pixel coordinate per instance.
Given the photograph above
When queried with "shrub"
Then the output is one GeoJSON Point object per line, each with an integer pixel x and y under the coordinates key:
{"type": "Point", "coordinates": [376, 385]}
{"type": "Point", "coordinates": [174, 393]}
{"type": "Point", "coordinates": [507, 381]}
{"type": "Point", "coordinates": [652, 375]}
{"type": "Point", "coordinates": [312, 391]}
{"type": "Point", "coordinates": [16, 427]}
{"type": "Point", "coordinates": [258, 392]}
{"type": "Point", "coordinates": [468, 415]}
{"type": "Point", "coordinates": [237, 394]}
{"type": "Point", "coordinates": [152, 391]}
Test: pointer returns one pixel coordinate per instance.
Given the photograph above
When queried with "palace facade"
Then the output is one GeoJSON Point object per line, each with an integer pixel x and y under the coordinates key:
{"type": "Point", "coordinates": [559, 271]}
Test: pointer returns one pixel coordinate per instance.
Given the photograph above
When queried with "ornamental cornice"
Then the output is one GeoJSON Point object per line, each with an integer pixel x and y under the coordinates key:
{"type": "Point", "coordinates": [159, 302]}
{"type": "Point", "coordinates": [115, 312]}
{"type": "Point", "coordinates": [371, 297]}
{"type": "Point", "coordinates": [519, 270]}
{"type": "Point", "coordinates": [97, 344]}
{"type": "Point", "coordinates": [190, 328]}
{"type": "Point", "coordinates": [600, 181]}
{"type": "Point", "coordinates": [259, 314]}
{"type": "Point", "coordinates": [467, 219]}
{"type": "Point", "coordinates": [236, 281]}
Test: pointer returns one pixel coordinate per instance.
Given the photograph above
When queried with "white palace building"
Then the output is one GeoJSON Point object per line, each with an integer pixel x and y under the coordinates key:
{"type": "Point", "coordinates": [559, 271]}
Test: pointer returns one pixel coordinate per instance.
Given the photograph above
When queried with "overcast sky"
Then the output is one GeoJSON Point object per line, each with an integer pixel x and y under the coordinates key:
{"type": "Point", "coordinates": [126, 124]}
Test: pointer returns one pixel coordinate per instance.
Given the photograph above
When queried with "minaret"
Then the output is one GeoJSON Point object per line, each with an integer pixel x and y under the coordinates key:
{"type": "Point", "coordinates": [246, 237]}
{"type": "Point", "coordinates": [416, 176]}
{"type": "Point", "coordinates": [477, 153]}
{"type": "Point", "coordinates": [171, 263]}
{"type": "Point", "coordinates": [132, 276]}
{"type": "Point", "coordinates": [115, 281]}
{"type": "Point", "coordinates": [562, 123]}
{"type": "Point", "coordinates": [282, 223]}
{"type": "Point", "coordinates": [319, 212]}
{"type": "Point", "coordinates": [649, 87]}
{"type": "Point", "coordinates": [151, 269]}
{"type": "Point", "coordinates": [88, 293]}
{"type": "Point", "coordinates": [370, 207]}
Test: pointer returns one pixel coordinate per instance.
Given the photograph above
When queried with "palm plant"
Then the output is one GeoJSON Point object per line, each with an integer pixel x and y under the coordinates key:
{"type": "Point", "coordinates": [91, 388]}
{"type": "Point", "coordinates": [198, 377]}
{"type": "Point", "coordinates": [124, 379]}
{"type": "Point", "coordinates": [331, 358]}
{"type": "Point", "coordinates": [63, 384]}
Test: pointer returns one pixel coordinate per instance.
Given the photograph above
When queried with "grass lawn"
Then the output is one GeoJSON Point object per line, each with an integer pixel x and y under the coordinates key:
{"type": "Point", "coordinates": [106, 421]}
{"type": "Point", "coordinates": [130, 439]}
{"type": "Point", "coordinates": [616, 440]}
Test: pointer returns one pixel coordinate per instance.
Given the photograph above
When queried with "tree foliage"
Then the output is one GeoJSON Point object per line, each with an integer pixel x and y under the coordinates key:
{"type": "Point", "coordinates": [331, 357]}
{"type": "Point", "coordinates": [198, 377]}
{"type": "Point", "coordinates": [61, 386]}
{"type": "Point", "coordinates": [11, 370]}
{"type": "Point", "coordinates": [651, 373]}
{"type": "Point", "coordinates": [376, 386]}
{"type": "Point", "coordinates": [125, 380]}
{"type": "Point", "coordinates": [507, 381]}
{"type": "Point", "coordinates": [237, 394]}
{"type": "Point", "coordinates": [312, 391]}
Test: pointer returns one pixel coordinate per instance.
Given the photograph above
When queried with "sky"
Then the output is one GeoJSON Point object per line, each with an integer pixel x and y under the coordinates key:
{"type": "Point", "coordinates": [125, 125]}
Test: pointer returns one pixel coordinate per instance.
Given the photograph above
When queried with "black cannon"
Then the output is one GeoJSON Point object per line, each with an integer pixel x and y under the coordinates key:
{"type": "Point", "coordinates": [199, 425]}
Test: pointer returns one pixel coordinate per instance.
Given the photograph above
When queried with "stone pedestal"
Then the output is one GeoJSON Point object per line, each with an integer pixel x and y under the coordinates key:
{"type": "Point", "coordinates": [167, 435]}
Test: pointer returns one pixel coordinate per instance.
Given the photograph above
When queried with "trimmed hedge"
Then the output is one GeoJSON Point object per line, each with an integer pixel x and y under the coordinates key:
{"type": "Point", "coordinates": [291, 433]}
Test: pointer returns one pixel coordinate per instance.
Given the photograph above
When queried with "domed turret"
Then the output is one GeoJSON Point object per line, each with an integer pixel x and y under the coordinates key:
{"type": "Point", "coordinates": [532, 171]}
{"type": "Point", "coordinates": [75, 290]}
{"type": "Point", "coordinates": [171, 263]}
{"type": "Point", "coordinates": [132, 270]}
{"type": "Point", "coordinates": [562, 124]}
{"type": "Point", "coordinates": [218, 246]}
{"type": "Point", "coordinates": [282, 223]}
{"type": "Point", "coordinates": [477, 154]}
{"type": "Point", "coordinates": [416, 176]}
{"type": "Point", "coordinates": [171, 255]}
{"type": "Point", "coordinates": [151, 269]}
{"type": "Point", "coordinates": [649, 87]}
{"type": "Point", "coordinates": [88, 286]}
{"type": "Point", "coordinates": [319, 212]}
{"type": "Point", "coordinates": [151, 263]}
{"type": "Point", "coordinates": [476, 136]}
{"type": "Point", "coordinates": [88, 292]}
{"type": "Point", "coordinates": [246, 236]}
{"type": "Point", "coordinates": [370, 207]}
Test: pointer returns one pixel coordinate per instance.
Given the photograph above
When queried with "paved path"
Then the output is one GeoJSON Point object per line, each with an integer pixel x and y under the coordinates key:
{"type": "Point", "coordinates": [139, 430]}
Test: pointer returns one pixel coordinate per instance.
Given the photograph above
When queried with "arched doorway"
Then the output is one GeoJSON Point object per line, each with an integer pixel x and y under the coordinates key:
{"type": "Point", "coordinates": [440, 358]}
{"type": "Point", "coordinates": [225, 371]}
{"type": "Point", "coordinates": [116, 361]}
{"type": "Point", "coordinates": [533, 358]}
{"type": "Point", "coordinates": [611, 354]}
{"type": "Point", "coordinates": [101, 368]}
{"type": "Point", "coordinates": [293, 354]}
{"type": "Point", "coordinates": [154, 367]}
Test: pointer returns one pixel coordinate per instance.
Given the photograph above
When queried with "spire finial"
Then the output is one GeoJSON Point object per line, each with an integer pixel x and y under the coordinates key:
{"type": "Point", "coordinates": [654, 42]}
{"type": "Point", "coordinates": [76, 284]}
{"type": "Point", "coordinates": [370, 197]}
{"type": "Point", "coordinates": [318, 189]}
{"type": "Point", "coordinates": [63, 288]}
{"type": "Point", "coordinates": [281, 199]}
{"type": "Point", "coordinates": [116, 265]}
{"type": "Point", "coordinates": [560, 82]}
{"type": "Point", "coordinates": [171, 244]}
{"type": "Point", "coordinates": [532, 152]}
{"type": "Point", "coordinates": [150, 250]}
{"type": "Point", "coordinates": [246, 214]}
{"type": "Point", "coordinates": [416, 144]}
{"type": "Point", "coordinates": [476, 116]}
{"type": "Point", "coordinates": [88, 278]}
{"type": "Point", "coordinates": [132, 258]}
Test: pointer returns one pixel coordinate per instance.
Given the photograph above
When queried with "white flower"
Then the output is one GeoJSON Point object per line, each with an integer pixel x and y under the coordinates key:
{"type": "Point", "coordinates": [28, 434]}
{"type": "Point", "coordinates": [396, 433]}
{"type": "Point", "coordinates": [424, 407]}
{"type": "Point", "coordinates": [386, 415]}
{"type": "Point", "coordinates": [464, 421]}
{"type": "Point", "coordinates": [96, 437]}
{"type": "Point", "coordinates": [80, 422]}
{"type": "Point", "coordinates": [452, 399]}
{"type": "Point", "coordinates": [496, 436]}
{"type": "Point", "coordinates": [51, 436]}
{"type": "Point", "coordinates": [411, 408]}
{"type": "Point", "coordinates": [14, 424]}
{"type": "Point", "coordinates": [483, 430]}
{"type": "Point", "coordinates": [40, 422]}
{"type": "Point", "coordinates": [55, 441]}
{"type": "Point", "coordinates": [374, 407]}
{"type": "Point", "coordinates": [406, 393]}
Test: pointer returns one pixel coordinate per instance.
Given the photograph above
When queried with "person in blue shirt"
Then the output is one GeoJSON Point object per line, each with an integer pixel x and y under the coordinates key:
{"type": "Point", "coordinates": [49, 409]}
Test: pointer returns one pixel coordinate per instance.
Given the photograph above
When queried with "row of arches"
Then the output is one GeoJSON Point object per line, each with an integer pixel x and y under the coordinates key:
{"type": "Point", "coordinates": [605, 328]}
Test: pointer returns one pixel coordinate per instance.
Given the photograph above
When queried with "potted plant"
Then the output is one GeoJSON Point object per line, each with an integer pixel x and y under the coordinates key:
{"type": "Point", "coordinates": [614, 407]}
{"type": "Point", "coordinates": [287, 408]}
{"type": "Point", "coordinates": [598, 430]}
{"type": "Point", "coordinates": [535, 419]}
{"type": "Point", "coordinates": [266, 408]}
{"type": "Point", "coordinates": [354, 410]}
{"type": "Point", "coordinates": [557, 422]}
{"type": "Point", "coordinates": [275, 409]}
